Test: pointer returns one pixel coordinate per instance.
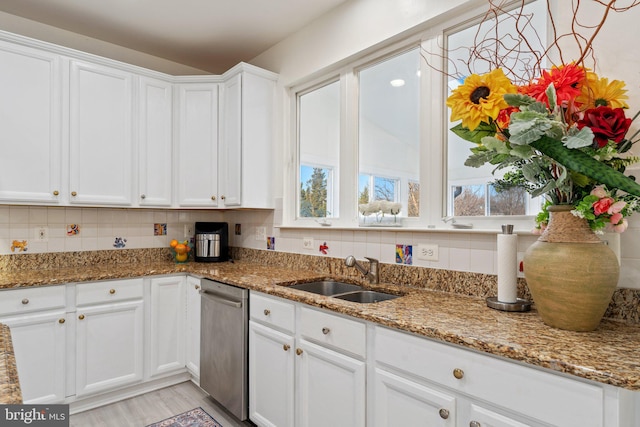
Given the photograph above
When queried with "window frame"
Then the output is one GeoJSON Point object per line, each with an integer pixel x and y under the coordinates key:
{"type": "Point", "coordinates": [433, 201]}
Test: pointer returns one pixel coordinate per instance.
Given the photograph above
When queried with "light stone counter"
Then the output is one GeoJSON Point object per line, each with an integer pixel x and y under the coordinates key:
{"type": "Point", "coordinates": [608, 355]}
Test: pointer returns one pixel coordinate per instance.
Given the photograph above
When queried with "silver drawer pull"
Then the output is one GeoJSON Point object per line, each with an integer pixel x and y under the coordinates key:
{"type": "Point", "coordinates": [326, 330]}
{"type": "Point", "coordinates": [25, 301]}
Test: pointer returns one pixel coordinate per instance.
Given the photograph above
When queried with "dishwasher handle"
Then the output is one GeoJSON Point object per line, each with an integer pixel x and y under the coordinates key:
{"type": "Point", "coordinates": [216, 297]}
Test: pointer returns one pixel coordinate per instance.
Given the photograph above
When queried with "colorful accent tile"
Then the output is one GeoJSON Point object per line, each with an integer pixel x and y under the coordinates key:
{"type": "Point", "coordinates": [120, 242]}
{"type": "Point", "coordinates": [73, 229]}
{"type": "Point", "coordinates": [159, 229]}
{"type": "Point", "coordinates": [271, 243]}
{"type": "Point", "coordinates": [324, 249]}
{"type": "Point", "coordinates": [404, 254]}
{"type": "Point", "coordinates": [20, 245]}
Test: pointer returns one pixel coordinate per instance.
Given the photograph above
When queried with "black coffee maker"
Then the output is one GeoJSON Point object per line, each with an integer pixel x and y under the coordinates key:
{"type": "Point", "coordinates": [212, 241]}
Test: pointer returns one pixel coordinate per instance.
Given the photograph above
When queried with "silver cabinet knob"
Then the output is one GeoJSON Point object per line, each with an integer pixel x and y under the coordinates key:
{"type": "Point", "coordinates": [444, 413]}
{"type": "Point", "coordinates": [142, 196]}
{"type": "Point", "coordinates": [474, 424]}
{"type": "Point", "coordinates": [267, 312]}
{"type": "Point", "coordinates": [326, 330]}
{"type": "Point", "coordinates": [74, 194]}
{"type": "Point", "coordinates": [458, 373]}
{"type": "Point", "coordinates": [25, 301]}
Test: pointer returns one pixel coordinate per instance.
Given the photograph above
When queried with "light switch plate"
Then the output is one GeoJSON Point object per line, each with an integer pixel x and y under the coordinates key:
{"type": "Point", "coordinates": [261, 234]}
{"type": "Point", "coordinates": [42, 234]}
{"type": "Point", "coordinates": [307, 243]}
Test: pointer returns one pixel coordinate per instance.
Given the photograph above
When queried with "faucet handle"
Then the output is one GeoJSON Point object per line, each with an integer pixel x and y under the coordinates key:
{"type": "Point", "coordinates": [372, 260]}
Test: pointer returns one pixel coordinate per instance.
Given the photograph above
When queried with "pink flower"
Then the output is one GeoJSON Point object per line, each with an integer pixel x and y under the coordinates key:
{"type": "Point", "coordinates": [602, 205]}
{"type": "Point", "coordinates": [615, 218]}
{"type": "Point", "coordinates": [616, 207]}
{"type": "Point", "coordinates": [618, 228]}
{"type": "Point", "coordinates": [599, 192]}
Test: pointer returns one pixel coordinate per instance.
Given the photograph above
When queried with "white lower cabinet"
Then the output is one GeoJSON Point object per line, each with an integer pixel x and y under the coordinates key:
{"type": "Point", "coordinates": [192, 327]}
{"type": "Point", "coordinates": [109, 335]}
{"type": "Point", "coordinates": [304, 372]}
{"type": "Point", "coordinates": [402, 402]}
{"type": "Point", "coordinates": [166, 325]}
{"type": "Point", "coordinates": [38, 324]}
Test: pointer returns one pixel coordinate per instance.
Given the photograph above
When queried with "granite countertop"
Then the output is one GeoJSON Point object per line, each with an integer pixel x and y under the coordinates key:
{"type": "Point", "coordinates": [607, 355]}
{"type": "Point", "coordinates": [9, 386]}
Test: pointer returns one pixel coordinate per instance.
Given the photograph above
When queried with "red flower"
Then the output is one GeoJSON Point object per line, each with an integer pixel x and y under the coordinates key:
{"type": "Point", "coordinates": [606, 123]}
{"type": "Point", "coordinates": [566, 79]}
{"type": "Point", "coordinates": [504, 117]}
{"type": "Point", "coordinates": [602, 205]}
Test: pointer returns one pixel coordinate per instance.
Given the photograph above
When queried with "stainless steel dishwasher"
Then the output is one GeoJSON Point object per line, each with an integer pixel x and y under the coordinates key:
{"type": "Point", "coordinates": [223, 345]}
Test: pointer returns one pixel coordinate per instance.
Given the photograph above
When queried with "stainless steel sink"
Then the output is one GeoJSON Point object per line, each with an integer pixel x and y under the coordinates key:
{"type": "Point", "coordinates": [366, 297]}
{"type": "Point", "coordinates": [327, 287]}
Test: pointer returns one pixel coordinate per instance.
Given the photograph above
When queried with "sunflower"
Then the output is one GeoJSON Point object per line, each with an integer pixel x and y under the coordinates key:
{"type": "Point", "coordinates": [598, 92]}
{"type": "Point", "coordinates": [480, 98]}
{"type": "Point", "coordinates": [566, 79]}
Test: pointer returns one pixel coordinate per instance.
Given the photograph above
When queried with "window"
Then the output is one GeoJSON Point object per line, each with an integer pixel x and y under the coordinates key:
{"type": "Point", "coordinates": [389, 129]}
{"type": "Point", "coordinates": [471, 191]}
{"type": "Point", "coordinates": [319, 151]}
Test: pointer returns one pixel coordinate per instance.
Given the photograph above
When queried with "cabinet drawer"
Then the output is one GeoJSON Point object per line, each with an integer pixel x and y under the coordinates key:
{"type": "Point", "coordinates": [17, 301]}
{"type": "Point", "coordinates": [272, 311]}
{"type": "Point", "coordinates": [108, 291]}
{"type": "Point", "coordinates": [530, 391]}
{"type": "Point", "coordinates": [333, 331]}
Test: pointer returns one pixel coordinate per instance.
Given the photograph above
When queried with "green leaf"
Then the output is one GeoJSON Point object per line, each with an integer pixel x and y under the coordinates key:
{"type": "Point", "coordinates": [550, 186]}
{"type": "Point", "coordinates": [522, 151]}
{"type": "Point", "coordinates": [494, 144]}
{"type": "Point", "coordinates": [529, 130]}
{"type": "Point", "coordinates": [518, 100]}
{"type": "Point", "coordinates": [576, 160]}
{"type": "Point", "coordinates": [581, 138]}
{"type": "Point", "coordinates": [476, 135]}
{"type": "Point", "coordinates": [477, 160]}
{"type": "Point", "coordinates": [551, 96]}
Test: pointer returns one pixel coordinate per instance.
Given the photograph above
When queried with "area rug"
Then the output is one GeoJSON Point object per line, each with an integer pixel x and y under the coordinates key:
{"type": "Point", "coordinates": [196, 417]}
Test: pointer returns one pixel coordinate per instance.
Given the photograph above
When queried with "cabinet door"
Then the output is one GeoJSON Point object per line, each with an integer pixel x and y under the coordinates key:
{"type": "Point", "coordinates": [166, 328]}
{"type": "Point", "coordinates": [155, 143]}
{"type": "Point", "coordinates": [197, 147]}
{"type": "Point", "coordinates": [193, 327]}
{"type": "Point", "coordinates": [109, 344]}
{"type": "Point", "coordinates": [271, 377]}
{"type": "Point", "coordinates": [331, 388]}
{"type": "Point", "coordinates": [230, 147]}
{"type": "Point", "coordinates": [401, 402]}
{"type": "Point", "coordinates": [484, 417]}
{"type": "Point", "coordinates": [100, 135]}
{"type": "Point", "coordinates": [29, 125]}
{"type": "Point", "coordinates": [39, 344]}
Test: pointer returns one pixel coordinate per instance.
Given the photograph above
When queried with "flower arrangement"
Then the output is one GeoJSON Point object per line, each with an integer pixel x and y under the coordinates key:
{"type": "Point", "coordinates": [562, 136]}
{"type": "Point", "coordinates": [380, 208]}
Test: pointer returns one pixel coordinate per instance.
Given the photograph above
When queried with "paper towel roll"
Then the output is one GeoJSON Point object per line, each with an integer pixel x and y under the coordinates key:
{"type": "Point", "coordinates": [507, 267]}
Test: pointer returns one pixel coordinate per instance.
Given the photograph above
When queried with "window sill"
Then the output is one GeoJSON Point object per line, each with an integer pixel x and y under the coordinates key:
{"type": "Point", "coordinates": [448, 229]}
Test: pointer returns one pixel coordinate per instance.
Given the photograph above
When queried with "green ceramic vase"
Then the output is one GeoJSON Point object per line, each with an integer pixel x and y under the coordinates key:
{"type": "Point", "coordinates": [570, 272]}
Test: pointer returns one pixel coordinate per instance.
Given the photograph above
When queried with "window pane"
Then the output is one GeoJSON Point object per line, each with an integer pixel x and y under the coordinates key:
{"type": "Point", "coordinates": [319, 143]}
{"type": "Point", "coordinates": [389, 127]}
{"type": "Point", "coordinates": [458, 149]}
{"type": "Point", "coordinates": [510, 201]}
{"type": "Point", "coordinates": [468, 200]}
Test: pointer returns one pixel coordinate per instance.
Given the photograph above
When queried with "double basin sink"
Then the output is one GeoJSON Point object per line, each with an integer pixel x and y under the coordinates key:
{"type": "Point", "coordinates": [343, 291]}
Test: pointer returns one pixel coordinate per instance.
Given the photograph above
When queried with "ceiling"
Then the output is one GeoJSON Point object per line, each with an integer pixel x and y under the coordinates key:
{"type": "Point", "coordinates": [211, 35]}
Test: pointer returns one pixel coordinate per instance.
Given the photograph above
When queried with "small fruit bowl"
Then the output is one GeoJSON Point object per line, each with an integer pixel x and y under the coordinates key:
{"type": "Point", "coordinates": [181, 250]}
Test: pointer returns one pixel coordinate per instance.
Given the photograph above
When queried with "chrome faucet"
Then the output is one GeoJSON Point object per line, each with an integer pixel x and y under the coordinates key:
{"type": "Point", "coordinates": [371, 274]}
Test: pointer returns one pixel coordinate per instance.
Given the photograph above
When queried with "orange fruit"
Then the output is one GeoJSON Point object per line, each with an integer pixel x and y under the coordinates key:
{"type": "Point", "coordinates": [181, 257]}
{"type": "Point", "coordinates": [181, 248]}
{"type": "Point", "coordinates": [173, 243]}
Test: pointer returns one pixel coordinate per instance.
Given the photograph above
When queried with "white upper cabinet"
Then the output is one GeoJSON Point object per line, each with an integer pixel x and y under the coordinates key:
{"type": "Point", "coordinates": [30, 108]}
{"type": "Point", "coordinates": [100, 134]}
{"type": "Point", "coordinates": [155, 141]}
{"type": "Point", "coordinates": [246, 147]}
{"type": "Point", "coordinates": [197, 145]}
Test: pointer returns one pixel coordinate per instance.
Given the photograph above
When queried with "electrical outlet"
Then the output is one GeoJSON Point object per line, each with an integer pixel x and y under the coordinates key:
{"type": "Point", "coordinates": [261, 234]}
{"type": "Point", "coordinates": [307, 243]}
{"type": "Point", "coordinates": [188, 231]}
{"type": "Point", "coordinates": [427, 252]}
{"type": "Point", "coordinates": [42, 234]}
